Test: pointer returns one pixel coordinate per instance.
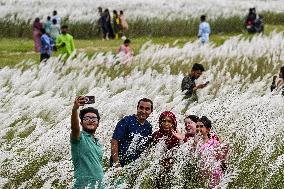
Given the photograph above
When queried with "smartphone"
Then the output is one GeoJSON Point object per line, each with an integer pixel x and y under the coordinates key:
{"type": "Point", "coordinates": [89, 99]}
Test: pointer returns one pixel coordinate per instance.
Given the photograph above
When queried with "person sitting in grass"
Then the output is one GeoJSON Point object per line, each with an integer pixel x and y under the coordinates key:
{"type": "Point", "coordinates": [64, 42]}
{"type": "Point", "coordinates": [125, 48]}
{"type": "Point", "coordinates": [86, 149]}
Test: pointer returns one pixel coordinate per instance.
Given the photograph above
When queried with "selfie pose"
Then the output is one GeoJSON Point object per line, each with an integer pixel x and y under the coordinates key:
{"type": "Point", "coordinates": [86, 149]}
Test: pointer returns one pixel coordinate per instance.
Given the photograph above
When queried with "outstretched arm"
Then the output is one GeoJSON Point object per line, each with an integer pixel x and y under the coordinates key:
{"type": "Point", "coordinates": [75, 127]}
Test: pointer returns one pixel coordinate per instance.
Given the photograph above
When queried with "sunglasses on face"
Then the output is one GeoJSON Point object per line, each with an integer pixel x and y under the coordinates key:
{"type": "Point", "coordinates": [90, 118]}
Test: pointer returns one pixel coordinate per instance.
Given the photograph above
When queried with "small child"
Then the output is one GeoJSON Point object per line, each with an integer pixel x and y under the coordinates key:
{"type": "Point", "coordinates": [125, 48]}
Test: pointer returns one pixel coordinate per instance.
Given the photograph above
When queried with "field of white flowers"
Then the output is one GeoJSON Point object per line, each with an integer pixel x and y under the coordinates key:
{"type": "Point", "coordinates": [36, 102]}
{"type": "Point", "coordinates": [78, 10]}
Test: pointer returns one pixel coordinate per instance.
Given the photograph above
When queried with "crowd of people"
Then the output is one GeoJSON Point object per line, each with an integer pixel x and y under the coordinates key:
{"type": "Point", "coordinates": [112, 28]}
{"type": "Point", "coordinates": [133, 135]}
{"type": "Point", "coordinates": [51, 36]}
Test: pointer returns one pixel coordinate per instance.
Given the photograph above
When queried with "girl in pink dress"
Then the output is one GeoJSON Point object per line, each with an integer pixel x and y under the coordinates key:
{"type": "Point", "coordinates": [211, 152]}
{"type": "Point", "coordinates": [36, 34]}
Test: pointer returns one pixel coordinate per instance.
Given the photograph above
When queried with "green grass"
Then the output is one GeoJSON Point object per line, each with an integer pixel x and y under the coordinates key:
{"type": "Point", "coordinates": [15, 50]}
{"type": "Point", "coordinates": [12, 26]}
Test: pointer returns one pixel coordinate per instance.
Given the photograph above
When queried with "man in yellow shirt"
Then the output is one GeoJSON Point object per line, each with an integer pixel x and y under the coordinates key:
{"type": "Point", "coordinates": [64, 42]}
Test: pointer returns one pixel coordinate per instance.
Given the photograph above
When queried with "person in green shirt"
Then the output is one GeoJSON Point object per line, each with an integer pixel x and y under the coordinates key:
{"type": "Point", "coordinates": [64, 42]}
{"type": "Point", "coordinates": [86, 149]}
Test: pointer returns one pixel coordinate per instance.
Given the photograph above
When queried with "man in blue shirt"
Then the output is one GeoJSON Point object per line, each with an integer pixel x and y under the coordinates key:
{"type": "Point", "coordinates": [45, 48]}
{"type": "Point", "coordinates": [86, 149]}
{"type": "Point", "coordinates": [204, 30]}
{"type": "Point", "coordinates": [131, 135]}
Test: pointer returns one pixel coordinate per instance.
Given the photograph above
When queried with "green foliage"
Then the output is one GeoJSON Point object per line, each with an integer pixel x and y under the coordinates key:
{"type": "Point", "coordinates": [14, 27]}
{"type": "Point", "coordinates": [27, 132]}
{"type": "Point", "coordinates": [10, 135]}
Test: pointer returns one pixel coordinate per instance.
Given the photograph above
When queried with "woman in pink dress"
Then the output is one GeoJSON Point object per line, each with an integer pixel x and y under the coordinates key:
{"type": "Point", "coordinates": [36, 33]}
{"type": "Point", "coordinates": [211, 152]}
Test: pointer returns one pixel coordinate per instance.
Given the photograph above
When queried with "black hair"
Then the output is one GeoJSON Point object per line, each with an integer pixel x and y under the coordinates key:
{"type": "Point", "coordinates": [205, 121]}
{"type": "Point", "coordinates": [127, 41]}
{"type": "Point", "coordinates": [197, 66]}
{"type": "Point", "coordinates": [145, 100]}
{"type": "Point", "coordinates": [282, 71]}
{"type": "Point", "coordinates": [89, 110]}
{"type": "Point", "coordinates": [121, 12]}
{"type": "Point", "coordinates": [64, 27]}
{"type": "Point", "coordinates": [114, 12]}
{"type": "Point", "coordinates": [42, 30]}
{"type": "Point", "coordinates": [194, 118]}
{"type": "Point", "coordinates": [48, 17]}
{"type": "Point", "coordinates": [37, 19]}
{"type": "Point", "coordinates": [202, 18]}
{"type": "Point", "coordinates": [54, 12]}
{"type": "Point", "coordinates": [54, 21]}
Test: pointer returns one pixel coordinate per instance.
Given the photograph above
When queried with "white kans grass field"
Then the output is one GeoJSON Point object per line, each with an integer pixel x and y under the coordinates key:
{"type": "Point", "coordinates": [78, 10]}
{"type": "Point", "coordinates": [36, 102]}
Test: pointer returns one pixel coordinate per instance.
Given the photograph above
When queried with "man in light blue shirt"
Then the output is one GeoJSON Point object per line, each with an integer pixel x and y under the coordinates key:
{"type": "Point", "coordinates": [204, 30]}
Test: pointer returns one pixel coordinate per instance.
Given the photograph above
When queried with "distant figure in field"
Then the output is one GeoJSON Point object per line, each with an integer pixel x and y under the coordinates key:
{"type": "Point", "coordinates": [188, 83]}
{"type": "Point", "coordinates": [99, 22]}
{"type": "Point", "coordinates": [47, 25]}
{"type": "Point", "coordinates": [37, 26]}
{"type": "Point", "coordinates": [204, 30]}
{"type": "Point", "coordinates": [278, 84]}
{"type": "Point", "coordinates": [108, 24]}
{"type": "Point", "coordinates": [64, 42]}
{"type": "Point", "coordinates": [125, 48]}
{"type": "Point", "coordinates": [55, 16]}
{"type": "Point", "coordinates": [46, 45]}
{"type": "Point", "coordinates": [54, 30]}
{"type": "Point", "coordinates": [125, 52]}
{"type": "Point", "coordinates": [254, 23]}
{"type": "Point", "coordinates": [116, 24]}
{"type": "Point", "coordinates": [124, 23]}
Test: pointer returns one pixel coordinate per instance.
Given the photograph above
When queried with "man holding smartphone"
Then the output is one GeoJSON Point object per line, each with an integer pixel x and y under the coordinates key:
{"type": "Point", "coordinates": [188, 83]}
{"type": "Point", "coordinates": [86, 149]}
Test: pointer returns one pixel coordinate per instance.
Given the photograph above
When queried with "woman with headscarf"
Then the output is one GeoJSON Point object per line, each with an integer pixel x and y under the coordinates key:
{"type": "Point", "coordinates": [37, 25]}
{"type": "Point", "coordinates": [167, 127]}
